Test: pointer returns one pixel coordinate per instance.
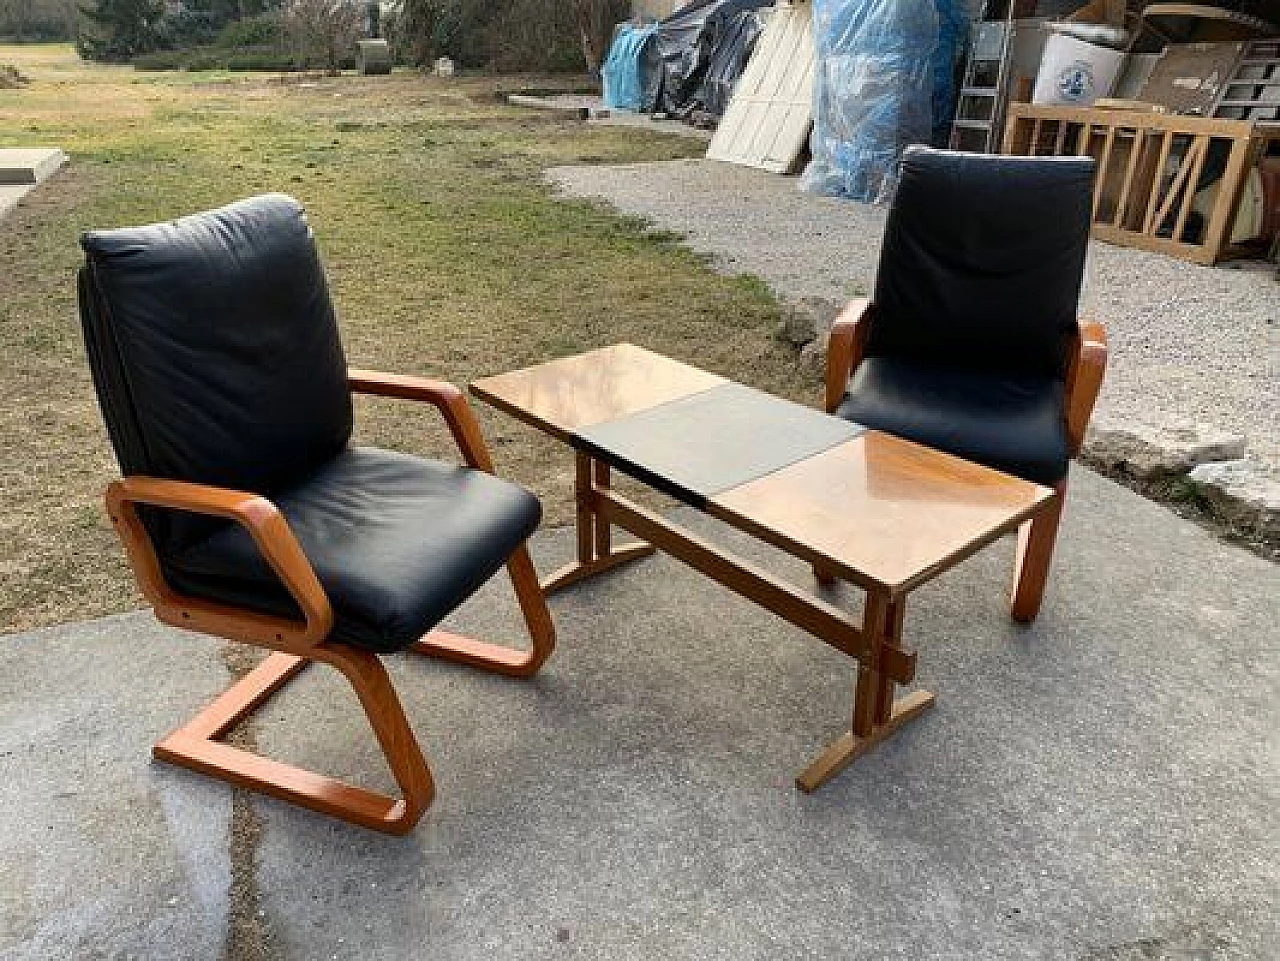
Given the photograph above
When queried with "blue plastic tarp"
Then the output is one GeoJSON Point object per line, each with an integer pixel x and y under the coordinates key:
{"type": "Point", "coordinates": [621, 72]}
{"type": "Point", "coordinates": [874, 93]}
{"type": "Point", "coordinates": [953, 29]}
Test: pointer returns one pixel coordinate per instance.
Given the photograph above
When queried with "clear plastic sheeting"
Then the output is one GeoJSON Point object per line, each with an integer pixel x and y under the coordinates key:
{"type": "Point", "coordinates": [873, 93]}
{"type": "Point", "coordinates": [624, 87]}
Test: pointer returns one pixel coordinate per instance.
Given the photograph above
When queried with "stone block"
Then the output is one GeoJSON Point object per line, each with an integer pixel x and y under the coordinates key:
{"type": "Point", "coordinates": [813, 356]}
{"type": "Point", "coordinates": [1244, 493]}
{"type": "Point", "coordinates": [29, 166]}
{"type": "Point", "coordinates": [1151, 451]}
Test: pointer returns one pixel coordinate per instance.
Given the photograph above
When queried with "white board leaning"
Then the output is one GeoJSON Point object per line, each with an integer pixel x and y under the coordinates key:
{"type": "Point", "coordinates": [768, 121]}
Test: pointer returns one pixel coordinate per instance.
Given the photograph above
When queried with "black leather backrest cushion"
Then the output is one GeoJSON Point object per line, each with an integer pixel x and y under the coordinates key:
{"type": "Point", "coordinates": [215, 349]}
{"type": "Point", "coordinates": [982, 261]}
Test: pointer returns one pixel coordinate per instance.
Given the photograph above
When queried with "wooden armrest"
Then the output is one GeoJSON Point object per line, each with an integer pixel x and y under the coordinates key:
{"type": "Point", "coordinates": [845, 349]}
{"type": "Point", "coordinates": [441, 394]}
{"type": "Point", "coordinates": [1084, 380]}
{"type": "Point", "coordinates": [270, 532]}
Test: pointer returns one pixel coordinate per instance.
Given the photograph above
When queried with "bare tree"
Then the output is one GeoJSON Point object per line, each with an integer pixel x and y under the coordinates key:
{"type": "Point", "coordinates": [596, 20]}
{"type": "Point", "coordinates": [323, 33]}
{"type": "Point", "coordinates": [513, 34]}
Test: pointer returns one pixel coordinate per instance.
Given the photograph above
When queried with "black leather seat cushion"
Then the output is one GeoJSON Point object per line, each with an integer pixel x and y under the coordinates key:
{"type": "Point", "coordinates": [397, 541]}
{"type": "Point", "coordinates": [1014, 423]}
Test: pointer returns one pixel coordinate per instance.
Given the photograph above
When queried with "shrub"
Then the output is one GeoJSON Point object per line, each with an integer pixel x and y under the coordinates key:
{"type": "Point", "coordinates": [567, 35]}
{"type": "Point", "coordinates": [392, 28]}
{"type": "Point", "coordinates": [118, 30]}
{"type": "Point", "coordinates": [595, 20]}
{"type": "Point", "coordinates": [204, 60]}
{"type": "Point", "coordinates": [272, 61]}
{"type": "Point", "coordinates": [267, 59]}
{"type": "Point", "coordinates": [260, 31]}
{"type": "Point", "coordinates": [323, 33]}
{"type": "Point", "coordinates": [162, 60]}
{"type": "Point", "coordinates": [187, 28]}
{"type": "Point", "coordinates": [532, 35]}
{"type": "Point", "coordinates": [38, 20]}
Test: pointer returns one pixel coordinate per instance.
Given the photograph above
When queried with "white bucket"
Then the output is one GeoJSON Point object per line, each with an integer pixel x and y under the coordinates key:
{"type": "Point", "coordinates": [1074, 73]}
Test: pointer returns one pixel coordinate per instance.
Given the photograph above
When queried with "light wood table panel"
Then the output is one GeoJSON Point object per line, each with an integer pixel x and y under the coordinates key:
{"type": "Point", "coordinates": [565, 395]}
{"type": "Point", "coordinates": [881, 511]}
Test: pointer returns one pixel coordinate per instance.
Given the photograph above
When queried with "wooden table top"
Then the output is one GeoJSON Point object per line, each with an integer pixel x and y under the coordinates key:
{"type": "Point", "coordinates": [570, 393]}
{"type": "Point", "coordinates": [883, 512]}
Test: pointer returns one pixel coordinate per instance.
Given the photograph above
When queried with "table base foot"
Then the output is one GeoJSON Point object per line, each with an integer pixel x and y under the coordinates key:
{"type": "Point", "coordinates": [848, 748]}
{"type": "Point", "coordinates": [577, 571]}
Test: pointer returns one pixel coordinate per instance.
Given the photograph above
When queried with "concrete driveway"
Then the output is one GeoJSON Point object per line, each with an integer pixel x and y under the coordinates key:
{"type": "Point", "coordinates": [1103, 785]}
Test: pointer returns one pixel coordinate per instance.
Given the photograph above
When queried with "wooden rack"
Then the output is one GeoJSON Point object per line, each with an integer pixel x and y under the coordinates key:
{"type": "Point", "coordinates": [1253, 90]}
{"type": "Point", "coordinates": [1151, 167]}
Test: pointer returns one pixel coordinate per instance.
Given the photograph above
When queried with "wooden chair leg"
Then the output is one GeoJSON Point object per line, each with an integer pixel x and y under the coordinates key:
{"type": "Point", "coordinates": [823, 576]}
{"type": "Point", "coordinates": [1035, 553]}
{"type": "Point", "coordinates": [197, 745]}
{"type": "Point", "coordinates": [494, 657]}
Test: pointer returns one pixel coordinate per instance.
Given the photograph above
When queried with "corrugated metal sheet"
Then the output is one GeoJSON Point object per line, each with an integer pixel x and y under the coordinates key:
{"type": "Point", "coordinates": [768, 121]}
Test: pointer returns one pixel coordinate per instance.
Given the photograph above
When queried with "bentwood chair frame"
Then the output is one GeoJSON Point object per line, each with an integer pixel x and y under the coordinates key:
{"type": "Point", "coordinates": [198, 745]}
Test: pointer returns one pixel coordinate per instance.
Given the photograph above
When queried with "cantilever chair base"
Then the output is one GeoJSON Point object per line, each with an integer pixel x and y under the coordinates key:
{"type": "Point", "coordinates": [198, 745]}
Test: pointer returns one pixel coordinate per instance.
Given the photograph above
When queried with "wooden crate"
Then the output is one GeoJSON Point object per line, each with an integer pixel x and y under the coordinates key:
{"type": "Point", "coordinates": [1150, 168]}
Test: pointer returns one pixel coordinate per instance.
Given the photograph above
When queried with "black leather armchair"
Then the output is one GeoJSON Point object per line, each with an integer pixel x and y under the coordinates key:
{"type": "Point", "coordinates": [247, 513]}
{"type": "Point", "coordinates": [971, 343]}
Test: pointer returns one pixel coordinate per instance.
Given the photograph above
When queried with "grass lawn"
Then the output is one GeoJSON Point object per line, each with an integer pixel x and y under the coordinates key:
{"type": "Point", "coordinates": [446, 254]}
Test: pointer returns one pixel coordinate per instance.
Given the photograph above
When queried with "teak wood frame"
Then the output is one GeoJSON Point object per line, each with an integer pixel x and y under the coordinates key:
{"type": "Point", "coordinates": [596, 552]}
{"type": "Point", "coordinates": [875, 643]}
{"type": "Point", "coordinates": [1036, 537]}
{"type": "Point", "coordinates": [297, 643]}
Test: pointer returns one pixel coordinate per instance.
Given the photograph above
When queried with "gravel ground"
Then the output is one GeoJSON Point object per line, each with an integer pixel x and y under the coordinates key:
{"type": "Point", "coordinates": [1188, 343]}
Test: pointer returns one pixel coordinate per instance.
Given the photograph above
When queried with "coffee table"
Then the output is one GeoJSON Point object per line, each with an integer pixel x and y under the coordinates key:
{"type": "Point", "coordinates": [880, 512]}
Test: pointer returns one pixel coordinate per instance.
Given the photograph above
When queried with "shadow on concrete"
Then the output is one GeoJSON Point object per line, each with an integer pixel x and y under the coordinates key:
{"type": "Point", "coordinates": [1102, 785]}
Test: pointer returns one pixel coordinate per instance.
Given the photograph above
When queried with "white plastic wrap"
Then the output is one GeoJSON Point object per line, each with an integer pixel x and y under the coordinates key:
{"type": "Point", "coordinates": [874, 86]}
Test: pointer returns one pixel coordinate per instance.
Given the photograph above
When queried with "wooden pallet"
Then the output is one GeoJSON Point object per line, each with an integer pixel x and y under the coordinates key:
{"type": "Point", "coordinates": [1150, 169]}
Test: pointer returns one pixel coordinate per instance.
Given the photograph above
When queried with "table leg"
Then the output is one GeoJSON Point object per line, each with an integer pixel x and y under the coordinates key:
{"type": "Point", "coordinates": [596, 553]}
{"type": "Point", "coordinates": [586, 518]}
{"type": "Point", "coordinates": [876, 715]}
{"type": "Point", "coordinates": [885, 685]}
{"type": "Point", "coordinates": [604, 540]}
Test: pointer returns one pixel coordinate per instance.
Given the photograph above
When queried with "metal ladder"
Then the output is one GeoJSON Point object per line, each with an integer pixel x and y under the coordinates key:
{"type": "Point", "coordinates": [981, 106]}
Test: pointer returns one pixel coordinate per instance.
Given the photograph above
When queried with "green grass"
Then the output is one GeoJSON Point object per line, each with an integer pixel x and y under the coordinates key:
{"type": "Point", "coordinates": [446, 252]}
